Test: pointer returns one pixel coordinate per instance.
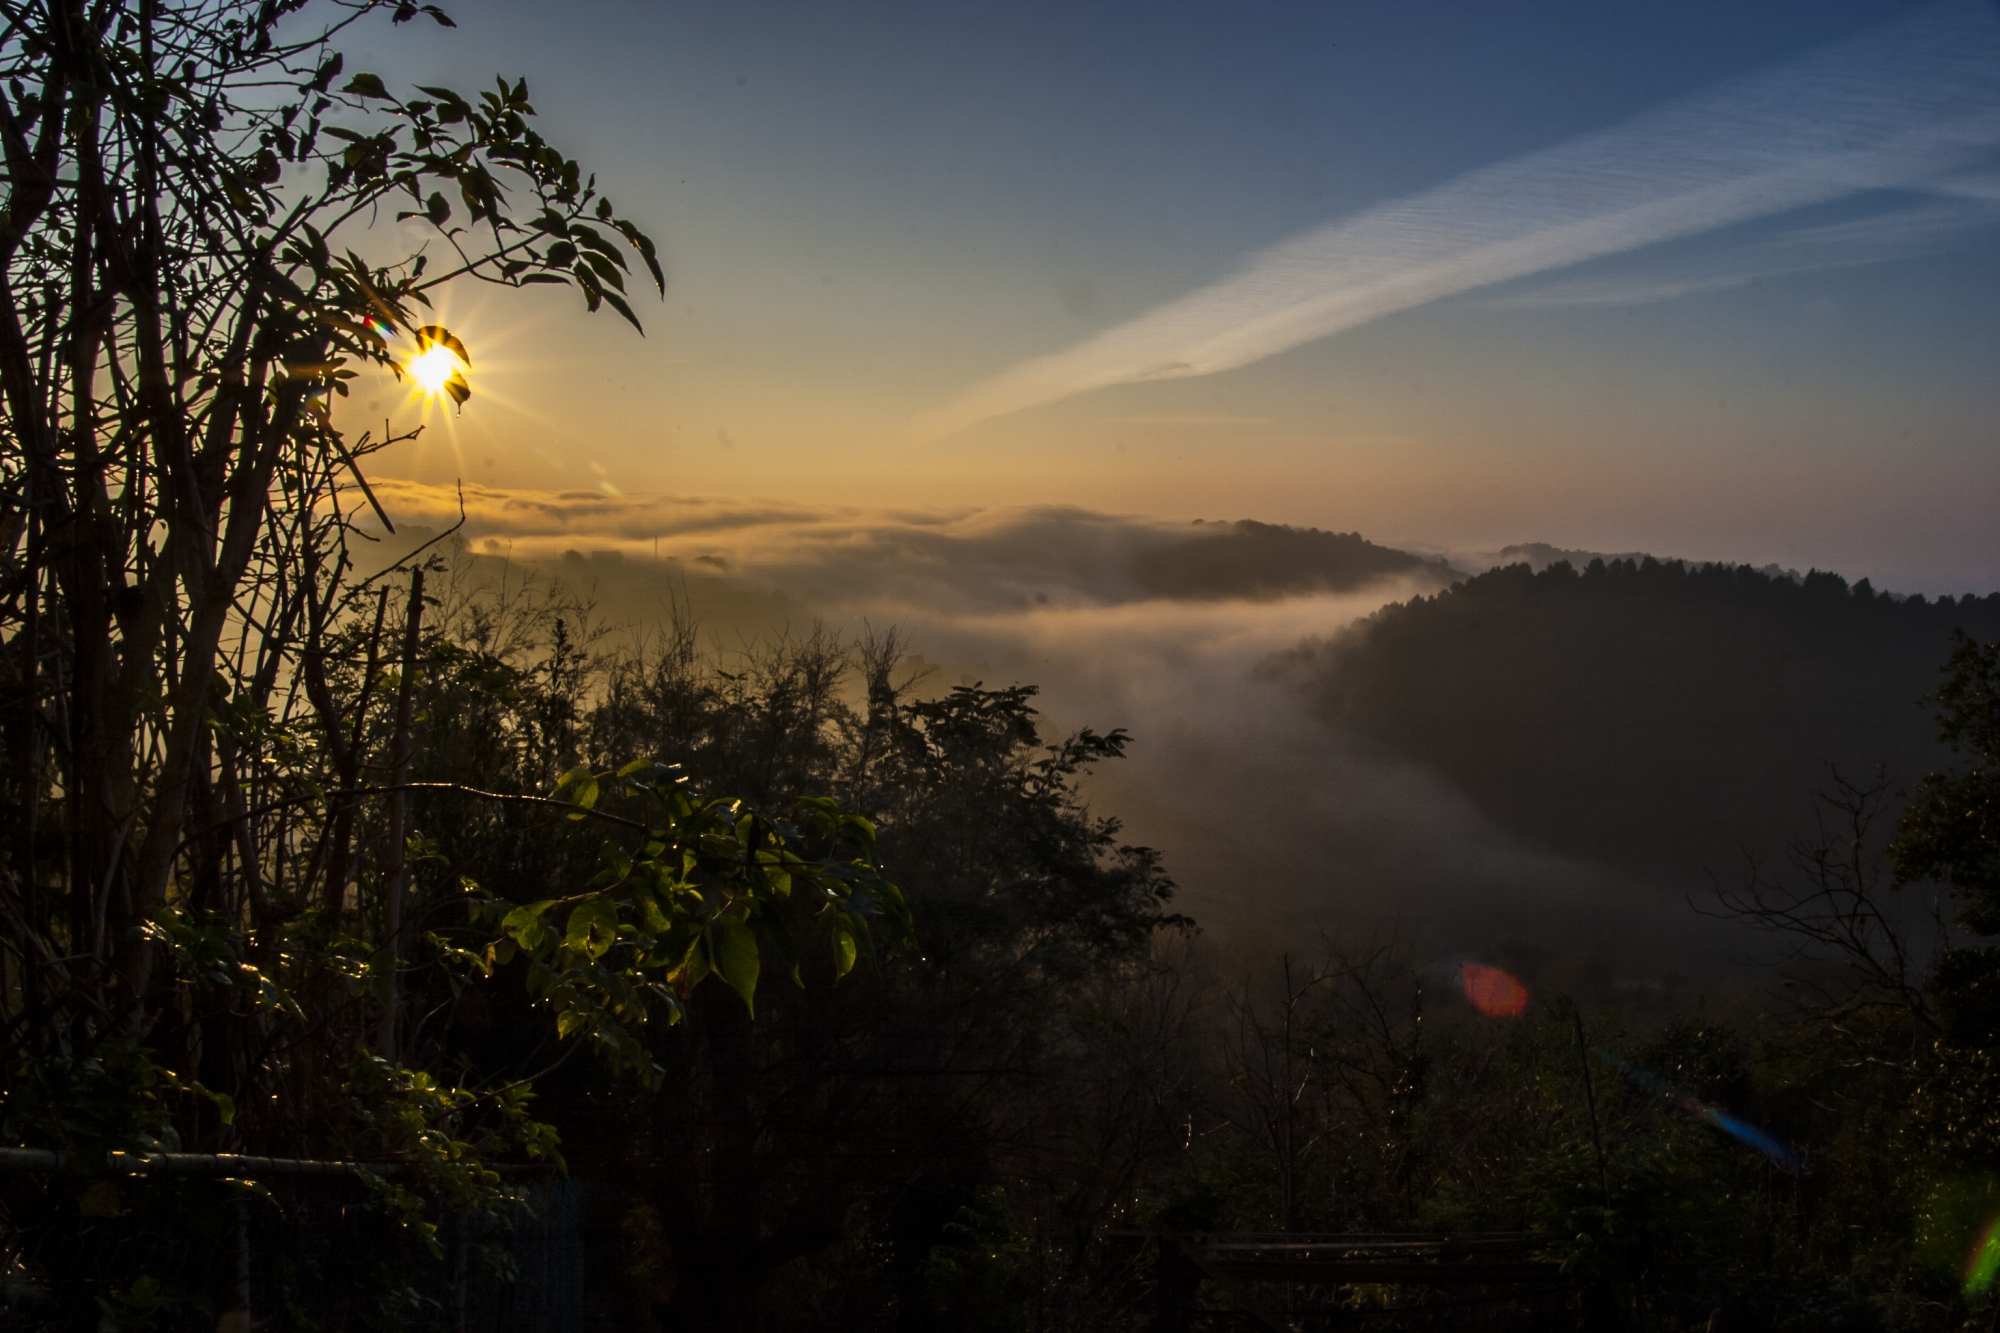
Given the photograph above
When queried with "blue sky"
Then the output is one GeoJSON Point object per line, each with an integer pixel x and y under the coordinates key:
{"type": "Point", "coordinates": [871, 211]}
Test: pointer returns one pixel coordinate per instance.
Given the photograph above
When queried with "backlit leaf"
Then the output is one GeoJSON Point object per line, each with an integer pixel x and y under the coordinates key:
{"type": "Point", "coordinates": [736, 961]}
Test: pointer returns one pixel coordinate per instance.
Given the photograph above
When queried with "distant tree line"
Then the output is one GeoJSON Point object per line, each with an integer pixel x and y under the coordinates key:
{"type": "Point", "coordinates": [1267, 560]}
{"type": "Point", "coordinates": [1658, 717]}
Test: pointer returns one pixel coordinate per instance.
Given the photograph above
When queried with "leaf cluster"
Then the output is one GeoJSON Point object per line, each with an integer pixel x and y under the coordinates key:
{"type": "Point", "coordinates": [706, 881]}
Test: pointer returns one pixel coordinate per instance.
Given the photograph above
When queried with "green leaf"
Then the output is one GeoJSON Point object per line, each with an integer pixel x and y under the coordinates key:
{"type": "Point", "coordinates": [843, 952]}
{"type": "Point", "coordinates": [593, 927]}
{"type": "Point", "coordinates": [618, 304]}
{"type": "Point", "coordinates": [323, 80]}
{"type": "Point", "coordinates": [225, 1105]}
{"type": "Point", "coordinates": [734, 945]}
{"type": "Point", "coordinates": [367, 85]}
{"type": "Point", "coordinates": [606, 271]}
{"type": "Point", "coordinates": [525, 923]}
{"type": "Point", "coordinates": [438, 335]}
{"type": "Point", "coordinates": [695, 964]}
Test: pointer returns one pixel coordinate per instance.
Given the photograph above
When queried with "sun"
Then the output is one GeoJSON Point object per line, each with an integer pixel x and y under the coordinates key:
{"type": "Point", "coordinates": [433, 368]}
{"type": "Point", "coordinates": [439, 365]}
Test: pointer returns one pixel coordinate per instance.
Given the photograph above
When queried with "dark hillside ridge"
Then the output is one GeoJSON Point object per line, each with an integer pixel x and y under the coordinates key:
{"type": "Point", "coordinates": [1266, 560]}
{"type": "Point", "coordinates": [1655, 716]}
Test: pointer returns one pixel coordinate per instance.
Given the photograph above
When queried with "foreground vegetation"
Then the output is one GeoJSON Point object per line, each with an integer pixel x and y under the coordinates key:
{"type": "Point", "coordinates": [979, 1131]}
{"type": "Point", "coordinates": [836, 1001]}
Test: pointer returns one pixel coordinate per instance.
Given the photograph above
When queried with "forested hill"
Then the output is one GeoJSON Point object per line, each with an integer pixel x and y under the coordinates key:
{"type": "Point", "coordinates": [1645, 714]}
{"type": "Point", "coordinates": [1257, 560]}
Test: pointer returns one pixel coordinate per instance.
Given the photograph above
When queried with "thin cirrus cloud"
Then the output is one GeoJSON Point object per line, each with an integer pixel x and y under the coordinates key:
{"type": "Point", "coordinates": [1899, 234]}
{"type": "Point", "coordinates": [1899, 106]}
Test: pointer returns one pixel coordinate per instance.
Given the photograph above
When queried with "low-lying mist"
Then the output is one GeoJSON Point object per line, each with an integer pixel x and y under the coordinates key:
{"type": "Point", "coordinates": [1277, 813]}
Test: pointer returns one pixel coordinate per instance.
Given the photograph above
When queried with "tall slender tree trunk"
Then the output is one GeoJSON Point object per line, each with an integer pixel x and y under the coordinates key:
{"type": "Point", "coordinates": [395, 882]}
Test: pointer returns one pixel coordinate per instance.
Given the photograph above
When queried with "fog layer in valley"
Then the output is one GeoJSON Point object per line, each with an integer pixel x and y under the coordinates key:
{"type": "Point", "coordinates": [1276, 812]}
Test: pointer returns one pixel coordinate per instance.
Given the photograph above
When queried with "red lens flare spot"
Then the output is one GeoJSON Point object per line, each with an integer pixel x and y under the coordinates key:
{"type": "Point", "coordinates": [1492, 992]}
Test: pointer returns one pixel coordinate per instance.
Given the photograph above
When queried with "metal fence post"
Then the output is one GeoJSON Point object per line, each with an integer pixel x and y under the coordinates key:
{"type": "Point", "coordinates": [238, 1318]}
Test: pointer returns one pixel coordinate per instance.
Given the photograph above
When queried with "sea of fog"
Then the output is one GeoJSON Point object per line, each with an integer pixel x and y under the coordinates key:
{"type": "Point", "coordinates": [1275, 825]}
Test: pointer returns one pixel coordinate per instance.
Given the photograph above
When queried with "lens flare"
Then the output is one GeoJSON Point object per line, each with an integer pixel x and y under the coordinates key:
{"type": "Point", "coordinates": [1492, 992]}
{"type": "Point", "coordinates": [1785, 1156]}
{"type": "Point", "coordinates": [439, 365]}
{"type": "Point", "coordinates": [432, 368]}
{"type": "Point", "coordinates": [1983, 1265]}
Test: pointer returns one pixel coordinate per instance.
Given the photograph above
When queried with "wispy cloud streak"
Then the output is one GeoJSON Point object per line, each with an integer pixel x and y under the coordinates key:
{"type": "Point", "coordinates": [1899, 234]}
{"type": "Point", "coordinates": [1897, 106]}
